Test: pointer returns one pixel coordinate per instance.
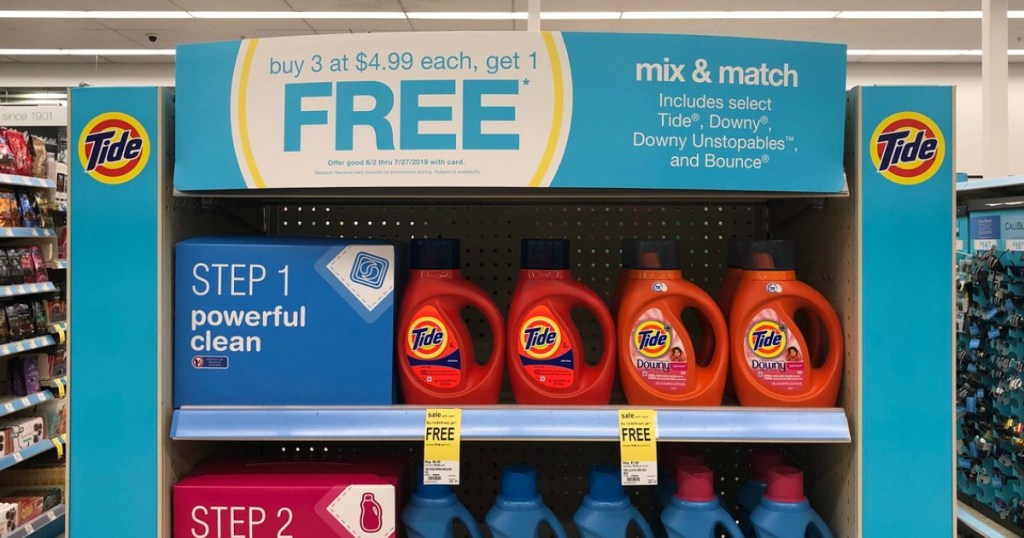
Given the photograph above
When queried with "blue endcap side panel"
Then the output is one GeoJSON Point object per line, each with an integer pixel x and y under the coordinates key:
{"type": "Point", "coordinates": [113, 452]}
{"type": "Point", "coordinates": [907, 324]}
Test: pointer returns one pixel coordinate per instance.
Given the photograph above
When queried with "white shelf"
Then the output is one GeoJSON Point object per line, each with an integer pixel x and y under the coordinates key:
{"type": "Point", "coordinates": [44, 445]}
{"type": "Point", "coordinates": [26, 181]}
{"type": "Point", "coordinates": [49, 518]}
{"type": "Point", "coordinates": [15, 290]}
{"type": "Point", "coordinates": [58, 264]}
{"type": "Point", "coordinates": [13, 404]}
{"type": "Point", "coordinates": [979, 523]}
{"type": "Point", "coordinates": [508, 423]}
{"type": "Point", "coordinates": [22, 346]}
{"type": "Point", "coordinates": [24, 233]}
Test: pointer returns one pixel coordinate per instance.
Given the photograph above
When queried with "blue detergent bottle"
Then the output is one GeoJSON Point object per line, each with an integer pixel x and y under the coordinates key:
{"type": "Point", "coordinates": [784, 511]}
{"type": "Point", "coordinates": [432, 512]}
{"type": "Point", "coordinates": [606, 511]}
{"type": "Point", "coordinates": [667, 485]}
{"type": "Point", "coordinates": [748, 496]}
{"type": "Point", "coordinates": [695, 511]}
{"type": "Point", "coordinates": [519, 511]}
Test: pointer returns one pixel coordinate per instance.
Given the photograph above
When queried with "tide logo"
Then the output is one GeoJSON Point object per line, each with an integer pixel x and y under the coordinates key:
{"type": "Point", "coordinates": [651, 339]}
{"type": "Point", "coordinates": [113, 148]}
{"type": "Point", "coordinates": [907, 148]}
{"type": "Point", "coordinates": [427, 338]}
{"type": "Point", "coordinates": [766, 339]}
{"type": "Point", "coordinates": [540, 337]}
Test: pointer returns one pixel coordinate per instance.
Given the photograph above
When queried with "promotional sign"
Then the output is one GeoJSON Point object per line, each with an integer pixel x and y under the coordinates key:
{"type": "Point", "coordinates": [277, 500]}
{"type": "Point", "coordinates": [1002, 229]}
{"type": "Point", "coordinates": [638, 447]}
{"type": "Point", "coordinates": [511, 109]}
{"type": "Point", "coordinates": [905, 160]}
{"type": "Point", "coordinates": [261, 321]}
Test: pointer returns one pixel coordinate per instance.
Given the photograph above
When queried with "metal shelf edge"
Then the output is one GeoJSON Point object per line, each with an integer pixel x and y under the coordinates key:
{"type": "Point", "coordinates": [10, 460]}
{"type": "Point", "coordinates": [979, 523]}
{"type": "Point", "coordinates": [15, 290]}
{"type": "Point", "coordinates": [29, 344]}
{"type": "Point", "coordinates": [507, 423]}
{"type": "Point", "coordinates": [40, 522]}
{"type": "Point", "coordinates": [26, 181]}
{"type": "Point", "coordinates": [20, 403]}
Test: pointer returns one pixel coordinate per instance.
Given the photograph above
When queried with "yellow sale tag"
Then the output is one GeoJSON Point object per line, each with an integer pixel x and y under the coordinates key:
{"type": "Point", "coordinates": [441, 439]}
{"type": "Point", "coordinates": [638, 447]}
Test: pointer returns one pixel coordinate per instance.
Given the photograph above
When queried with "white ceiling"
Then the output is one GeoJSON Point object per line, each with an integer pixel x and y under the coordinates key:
{"type": "Point", "coordinates": [131, 33]}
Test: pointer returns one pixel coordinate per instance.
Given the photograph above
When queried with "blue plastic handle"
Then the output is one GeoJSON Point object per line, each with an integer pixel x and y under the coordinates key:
{"type": "Point", "coordinates": [467, 519]}
{"type": "Point", "coordinates": [820, 526]}
{"type": "Point", "coordinates": [731, 528]}
{"type": "Point", "coordinates": [641, 523]}
{"type": "Point", "coordinates": [556, 526]}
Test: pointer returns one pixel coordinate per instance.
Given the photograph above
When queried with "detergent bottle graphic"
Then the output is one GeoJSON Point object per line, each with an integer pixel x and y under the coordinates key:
{"type": "Point", "coordinates": [657, 361]}
{"type": "Point", "coordinates": [695, 511]}
{"type": "Point", "coordinates": [519, 510]}
{"type": "Point", "coordinates": [606, 511]}
{"type": "Point", "coordinates": [433, 510]}
{"type": "Point", "coordinates": [771, 364]}
{"type": "Point", "coordinates": [435, 347]}
{"type": "Point", "coordinates": [370, 519]}
{"type": "Point", "coordinates": [784, 510]}
{"type": "Point", "coordinates": [545, 351]}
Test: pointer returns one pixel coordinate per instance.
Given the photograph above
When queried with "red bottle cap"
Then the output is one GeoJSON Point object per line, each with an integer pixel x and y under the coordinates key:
{"type": "Point", "coordinates": [785, 485]}
{"type": "Point", "coordinates": [761, 461]}
{"type": "Point", "coordinates": [696, 483]}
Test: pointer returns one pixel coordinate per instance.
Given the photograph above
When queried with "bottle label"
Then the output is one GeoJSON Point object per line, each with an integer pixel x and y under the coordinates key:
{"type": "Point", "coordinates": [657, 353]}
{"type": "Point", "coordinates": [773, 354]}
{"type": "Point", "coordinates": [545, 349]}
{"type": "Point", "coordinates": [433, 350]}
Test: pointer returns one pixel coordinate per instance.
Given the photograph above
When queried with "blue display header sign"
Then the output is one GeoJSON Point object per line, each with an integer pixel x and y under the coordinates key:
{"type": "Point", "coordinates": [511, 109]}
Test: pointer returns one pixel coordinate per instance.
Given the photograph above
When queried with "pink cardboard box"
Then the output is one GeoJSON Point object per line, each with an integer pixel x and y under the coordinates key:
{"type": "Point", "coordinates": [302, 500]}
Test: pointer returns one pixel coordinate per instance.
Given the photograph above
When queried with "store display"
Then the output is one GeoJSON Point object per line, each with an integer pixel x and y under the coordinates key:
{"type": "Point", "coordinates": [256, 319]}
{"type": "Point", "coordinates": [55, 414]}
{"type": "Point", "coordinates": [21, 432]}
{"type": "Point", "coordinates": [657, 361]}
{"type": "Point", "coordinates": [748, 496]}
{"type": "Point", "coordinates": [695, 511]}
{"type": "Point", "coordinates": [519, 509]}
{"type": "Point", "coordinates": [27, 205]}
{"type": "Point", "coordinates": [43, 206]}
{"type": "Point", "coordinates": [14, 264]}
{"type": "Point", "coordinates": [607, 511]}
{"type": "Point", "coordinates": [28, 267]}
{"type": "Point", "coordinates": [771, 362]}
{"type": "Point", "coordinates": [433, 510]}
{"type": "Point", "coordinates": [10, 213]}
{"type": "Point", "coordinates": [784, 510]}
{"type": "Point", "coordinates": [56, 307]}
{"type": "Point", "coordinates": [49, 497]}
{"type": "Point", "coordinates": [289, 499]}
{"type": "Point", "coordinates": [9, 513]}
{"type": "Point", "coordinates": [546, 358]}
{"type": "Point", "coordinates": [29, 506]}
{"type": "Point", "coordinates": [436, 359]}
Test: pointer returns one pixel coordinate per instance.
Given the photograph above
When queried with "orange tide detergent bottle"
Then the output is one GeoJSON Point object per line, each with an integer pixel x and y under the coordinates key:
{"type": "Point", "coordinates": [435, 347]}
{"type": "Point", "coordinates": [771, 365]}
{"type": "Point", "coordinates": [545, 351]}
{"type": "Point", "coordinates": [657, 361]}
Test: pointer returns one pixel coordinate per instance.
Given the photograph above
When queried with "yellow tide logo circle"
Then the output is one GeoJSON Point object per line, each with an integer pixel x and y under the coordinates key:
{"type": "Point", "coordinates": [766, 339]}
{"type": "Point", "coordinates": [540, 338]}
{"type": "Point", "coordinates": [113, 148]}
{"type": "Point", "coordinates": [427, 338]}
{"type": "Point", "coordinates": [907, 148]}
{"type": "Point", "coordinates": [651, 339]}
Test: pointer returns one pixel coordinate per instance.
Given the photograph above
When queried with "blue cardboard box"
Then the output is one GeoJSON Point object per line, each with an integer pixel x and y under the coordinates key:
{"type": "Point", "coordinates": [283, 321]}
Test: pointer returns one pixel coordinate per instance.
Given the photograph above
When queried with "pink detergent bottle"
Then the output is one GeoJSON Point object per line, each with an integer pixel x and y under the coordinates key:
{"type": "Point", "coordinates": [370, 514]}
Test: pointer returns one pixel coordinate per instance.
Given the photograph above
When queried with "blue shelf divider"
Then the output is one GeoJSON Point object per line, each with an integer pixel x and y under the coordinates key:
{"type": "Point", "coordinates": [14, 233]}
{"type": "Point", "coordinates": [26, 181]}
{"type": "Point", "coordinates": [42, 446]}
{"type": "Point", "coordinates": [48, 524]}
{"type": "Point", "coordinates": [507, 423]}
{"type": "Point", "coordinates": [15, 290]}
{"type": "Point", "coordinates": [22, 346]}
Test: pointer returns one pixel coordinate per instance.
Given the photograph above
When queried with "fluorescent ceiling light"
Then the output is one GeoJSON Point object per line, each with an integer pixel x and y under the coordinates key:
{"type": "Point", "coordinates": [378, 15]}
{"type": "Point", "coordinates": [34, 102]}
{"type": "Point", "coordinates": [909, 15]}
{"type": "Point", "coordinates": [914, 52]}
{"type": "Point", "coordinates": [86, 52]}
{"type": "Point", "coordinates": [580, 15]}
{"type": "Point", "coordinates": [468, 15]}
{"type": "Point", "coordinates": [95, 15]}
{"type": "Point", "coordinates": [38, 95]}
{"type": "Point", "coordinates": [687, 15]}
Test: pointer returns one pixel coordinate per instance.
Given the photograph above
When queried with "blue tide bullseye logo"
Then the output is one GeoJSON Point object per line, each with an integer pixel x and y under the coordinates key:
{"type": "Point", "coordinates": [540, 338]}
{"type": "Point", "coordinates": [766, 339]}
{"type": "Point", "coordinates": [651, 339]}
{"type": "Point", "coordinates": [113, 148]}
{"type": "Point", "coordinates": [369, 270]}
{"type": "Point", "coordinates": [427, 338]}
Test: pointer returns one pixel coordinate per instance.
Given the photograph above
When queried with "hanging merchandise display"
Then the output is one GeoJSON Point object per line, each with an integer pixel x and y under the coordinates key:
{"type": "Point", "coordinates": [772, 364]}
{"type": "Point", "coordinates": [311, 173]}
{"type": "Point", "coordinates": [545, 350]}
{"type": "Point", "coordinates": [435, 348]}
{"type": "Point", "coordinates": [657, 359]}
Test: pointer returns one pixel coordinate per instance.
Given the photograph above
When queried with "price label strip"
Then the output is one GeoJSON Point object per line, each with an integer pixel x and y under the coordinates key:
{"type": "Point", "coordinates": [442, 437]}
{"type": "Point", "coordinates": [638, 447]}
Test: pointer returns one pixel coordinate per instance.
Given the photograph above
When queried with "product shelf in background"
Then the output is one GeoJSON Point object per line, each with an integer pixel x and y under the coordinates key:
{"type": "Point", "coordinates": [979, 523]}
{"type": "Point", "coordinates": [25, 181]}
{"type": "Point", "coordinates": [508, 423]}
{"type": "Point", "coordinates": [13, 404]}
{"type": "Point", "coordinates": [49, 523]}
{"type": "Point", "coordinates": [44, 445]}
{"type": "Point", "coordinates": [21, 346]}
{"type": "Point", "coordinates": [18, 233]}
{"type": "Point", "coordinates": [15, 290]}
{"type": "Point", "coordinates": [58, 264]}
